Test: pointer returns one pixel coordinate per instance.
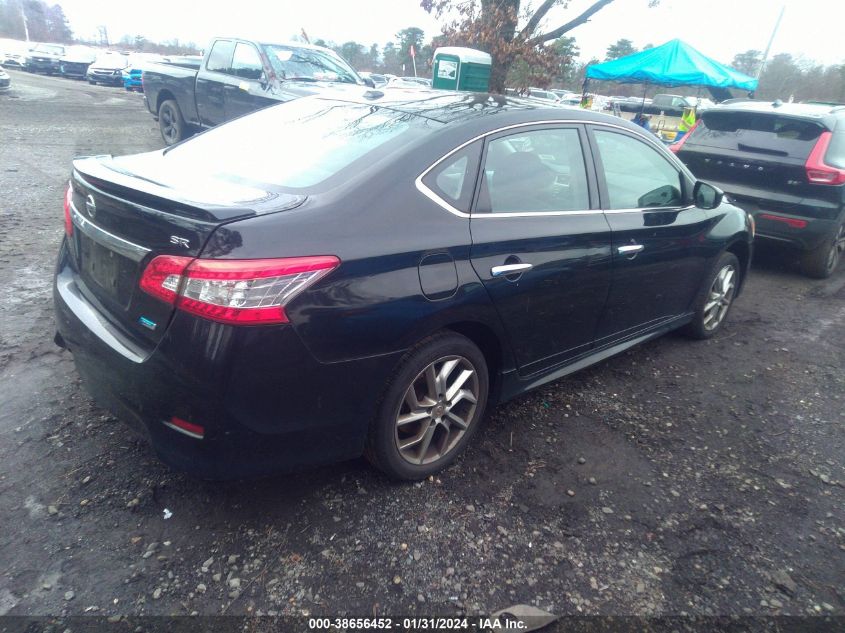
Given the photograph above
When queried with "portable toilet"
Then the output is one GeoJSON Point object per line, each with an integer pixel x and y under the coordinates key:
{"type": "Point", "coordinates": [458, 68]}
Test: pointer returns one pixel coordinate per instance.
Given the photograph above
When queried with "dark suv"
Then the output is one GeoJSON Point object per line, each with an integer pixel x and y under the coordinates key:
{"type": "Point", "coordinates": [785, 164]}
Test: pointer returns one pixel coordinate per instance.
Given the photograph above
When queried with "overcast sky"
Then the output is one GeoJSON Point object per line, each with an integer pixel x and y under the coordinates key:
{"type": "Point", "coordinates": [811, 29]}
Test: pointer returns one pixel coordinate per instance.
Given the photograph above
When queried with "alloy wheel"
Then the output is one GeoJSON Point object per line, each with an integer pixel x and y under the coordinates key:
{"type": "Point", "coordinates": [836, 249]}
{"type": "Point", "coordinates": [437, 409]}
{"type": "Point", "coordinates": [167, 124]}
{"type": "Point", "coordinates": [720, 297]}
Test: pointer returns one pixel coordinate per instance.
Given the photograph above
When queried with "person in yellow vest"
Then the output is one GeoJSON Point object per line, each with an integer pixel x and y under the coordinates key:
{"type": "Point", "coordinates": [687, 122]}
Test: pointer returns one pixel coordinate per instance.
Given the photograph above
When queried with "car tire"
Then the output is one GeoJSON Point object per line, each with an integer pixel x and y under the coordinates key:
{"type": "Point", "coordinates": [418, 431]}
{"type": "Point", "coordinates": [821, 262]}
{"type": "Point", "coordinates": [171, 124]}
{"type": "Point", "coordinates": [715, 298]}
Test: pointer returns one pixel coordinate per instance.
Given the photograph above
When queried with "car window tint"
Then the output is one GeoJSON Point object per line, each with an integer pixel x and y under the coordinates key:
{"type": "Point", "coordinates": [220, 57]}
{"type": "Point", "coordinates": [246, 63]}
{"type": "Point", "coordinates": [636, 174]}
{"type": "Point", "coordinates": [537, 171]}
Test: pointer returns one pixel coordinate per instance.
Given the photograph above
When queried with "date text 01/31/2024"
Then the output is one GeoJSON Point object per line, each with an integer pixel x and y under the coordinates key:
{"type": "Point", "coordinates": [417, 624]}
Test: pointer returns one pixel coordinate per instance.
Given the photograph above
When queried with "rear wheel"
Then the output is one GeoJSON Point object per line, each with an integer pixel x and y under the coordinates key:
{"type": "Point", "coordinates": [170, 122]}
{"type": "Point", "coordinates": [715, 298]}
{"type": "Point", "coordinates": [431, 409]}
{"type": "Point", "coordinates": [820, 262]}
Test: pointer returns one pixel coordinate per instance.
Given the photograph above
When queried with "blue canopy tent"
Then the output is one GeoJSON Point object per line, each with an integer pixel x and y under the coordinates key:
{"type": "Point", "coordinates": [674, 63]}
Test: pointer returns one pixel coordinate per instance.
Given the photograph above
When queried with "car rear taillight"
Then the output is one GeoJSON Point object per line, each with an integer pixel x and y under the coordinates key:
{"type": "Point", "coordinates": [237, 291]}
{"type": "Point", "coordinates": [67, 203]}
{"type": "Point", "coordinates": [818, 172]}
{"type": "Point", "coordinates": [676, 147]}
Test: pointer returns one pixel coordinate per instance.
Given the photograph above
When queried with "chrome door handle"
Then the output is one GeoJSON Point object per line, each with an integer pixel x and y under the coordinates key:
{"type": "Point", "coordinates": [510, 269]}
{"type": "Point", "coordinates": [630, 249]}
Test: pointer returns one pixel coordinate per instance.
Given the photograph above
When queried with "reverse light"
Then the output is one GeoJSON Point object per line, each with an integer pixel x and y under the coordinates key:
{"type": "Point", "coordinates": [676, 147]}
{"type": "Point", "coordinates": [67, 203]}
{"type": "Point", "coordinates": [794, 223]}
{"type": "Point", "coordinates": [238, 291]}
{"type": "Point", "coordinates": [818, 172]}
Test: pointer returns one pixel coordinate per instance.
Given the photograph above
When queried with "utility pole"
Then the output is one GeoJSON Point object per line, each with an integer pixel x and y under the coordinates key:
{"type": "Point", "coordinates": [769, 45]}
{"type": "Point", "coordinates": [25, 26]}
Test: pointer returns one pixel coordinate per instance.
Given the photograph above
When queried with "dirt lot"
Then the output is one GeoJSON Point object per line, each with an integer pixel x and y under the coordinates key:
{"type": "Point", "coordinates": [679, 478]}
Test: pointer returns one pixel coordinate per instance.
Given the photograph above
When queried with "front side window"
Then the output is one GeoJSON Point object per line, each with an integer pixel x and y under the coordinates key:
{"type": "Point", "coordinates": [246, 63]}
{"type": "Point", "coordinates": [636, 175]}
{"type": "Point", "coordinates": [535, 171]}
{"type": "Point", "coordinates": [220, 57]}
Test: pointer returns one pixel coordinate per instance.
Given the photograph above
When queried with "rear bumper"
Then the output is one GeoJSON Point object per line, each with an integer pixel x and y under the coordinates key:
{"type": "Point", "coordinates": [803, 223]}
{"type": "Point", "coordinates": [264, 402]}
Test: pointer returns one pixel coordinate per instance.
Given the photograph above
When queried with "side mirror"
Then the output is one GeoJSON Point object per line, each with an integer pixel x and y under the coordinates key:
{"type": "Point", "coordinates": [369, 82]}
{"type": "Point", "coordinates": [706, 196]}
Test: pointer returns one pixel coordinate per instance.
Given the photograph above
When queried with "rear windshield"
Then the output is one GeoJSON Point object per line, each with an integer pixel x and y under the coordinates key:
{"type": "Point", "coordinates": [299, 144]}
{"type": "Point", "coordinates": [757, 133]}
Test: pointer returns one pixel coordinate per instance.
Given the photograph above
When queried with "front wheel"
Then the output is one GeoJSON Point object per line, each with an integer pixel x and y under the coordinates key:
{"type": "Point", "coordinates": [715, 298]}
{"type": "Point", "coordinates": [170, 122]}
{"type": "Point", "coordinates": [431, 409]}
{"type": "Point", "coordinates": [820, 262]}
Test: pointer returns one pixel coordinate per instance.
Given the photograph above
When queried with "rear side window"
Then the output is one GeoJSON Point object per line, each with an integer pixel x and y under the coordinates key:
{"type": "Point", "coordinates": [454, 178]}
{"type": "Point", "coordinates": [534, 172]}
{"type": "Point", "coordinates": [220, 57]}
{"type": "Point", "coordinates": [757, 133]}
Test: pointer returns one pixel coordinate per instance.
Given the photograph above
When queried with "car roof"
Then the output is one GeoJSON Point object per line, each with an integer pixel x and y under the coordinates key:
{"type": "Point", "coordinates": [803, 110]}
{"type": "Point", "coordinates": [459, 107]}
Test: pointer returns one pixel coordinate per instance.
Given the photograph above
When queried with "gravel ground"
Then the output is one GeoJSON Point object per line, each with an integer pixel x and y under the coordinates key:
{"type": "Point", "coordinates": [678, 478]}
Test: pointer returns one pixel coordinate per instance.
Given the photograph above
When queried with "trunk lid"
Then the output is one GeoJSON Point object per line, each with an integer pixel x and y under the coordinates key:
{"type": "Point", "coordinates": [123, 219]}
{"type": "Point", "coordinates": [754, 149]}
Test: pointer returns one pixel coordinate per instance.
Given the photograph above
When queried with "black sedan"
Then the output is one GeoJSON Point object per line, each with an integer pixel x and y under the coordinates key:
{"type": "Point", "coordinates": [333, 277]}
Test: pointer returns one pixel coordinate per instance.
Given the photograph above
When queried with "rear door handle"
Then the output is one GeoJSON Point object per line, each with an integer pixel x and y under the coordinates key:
{"type": "Point", "coordinates": [510, 269]}
{"type": "Point", "coordinates": [630, 249]}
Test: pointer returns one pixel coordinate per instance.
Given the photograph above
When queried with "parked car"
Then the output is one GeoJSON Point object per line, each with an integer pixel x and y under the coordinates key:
{"type": "Point", "coordinates": [254, 309]}
{"type": "Point", "coordinates": [785, 164]}
{"type": "Point", "coordinates": [108, 69]}
{"type": "Point", "coordinates": [45, 58]}
{"type": "Point", "coordinates": [134, 70]}
{"type": "Point", "coordinates": [13, 54]}
{"type": "Point", "coordinates": [546, 95]}
{"type": "Point", "coordinates": [238, 76]}
{"type": "Point", "coordinates": [5, 81]}
{"type": "Point", "coordinates": [76, 60]}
